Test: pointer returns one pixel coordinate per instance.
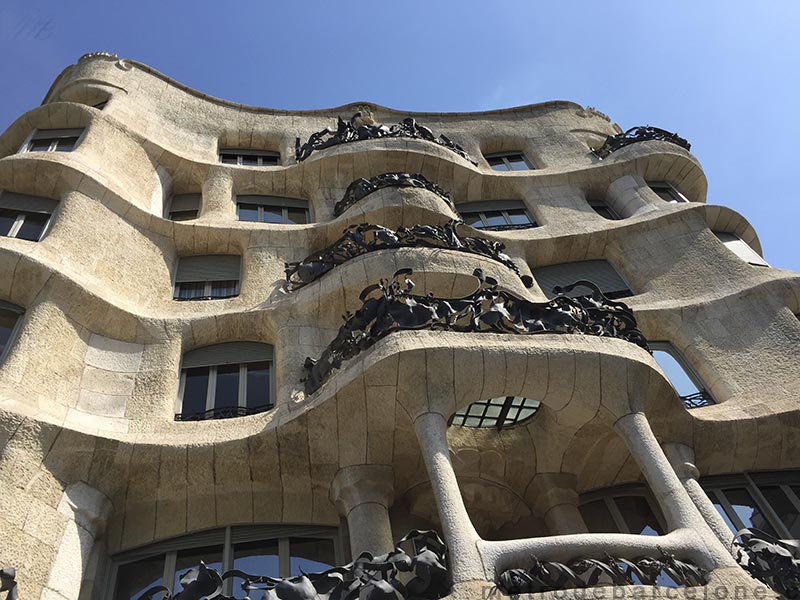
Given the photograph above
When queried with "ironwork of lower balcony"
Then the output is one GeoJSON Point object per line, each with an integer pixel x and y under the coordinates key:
{"type": "Point", "coordinates": [639, 134]}
{"type": "Point", "coordinates": [390, 306]}
{"type": "Point", "coordinates": [774, 562]}
{"type": "Point", "coordinates": [8, 583]}
{"type": "Point", "coordinates": [362, 188]}
{"type": "Point", "coordinates": [366, 237]}
{"type": "Point", "coordinates": [510, 227]}
{"type": "Point", "coordinates": [225, 412]}
{"type": "Point", "coordinates": [697, 400]}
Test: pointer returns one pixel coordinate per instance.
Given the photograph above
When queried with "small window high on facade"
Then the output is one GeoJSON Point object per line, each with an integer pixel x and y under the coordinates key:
{"type": "Point", "coordinates": [509, 161]}
{"type": "Point", "coordinates": [683, 378]}
{"type": "Point", "coordinates": [249, 158]}
{"type": "Point", "coordinates": [184, 207]}
{"type": "Point", "coordinates": [226, 380]}
{"type": "Point", "coordinates": [52, 140]}
{"type": "Point", "coordinates": [497, 215]}
{"type": "Point", "coordinates": [667, 192]}
{"type": "Point", "coordinates": [740, 248]}
{"type": "Point", "coordinates": [24, 217]}
{"type": "Point", "coordinates": [599, 272]}
{"type": "Point", "coordinates": [210, 277]}
{"type": "Point", "coordinates": [272, 209]}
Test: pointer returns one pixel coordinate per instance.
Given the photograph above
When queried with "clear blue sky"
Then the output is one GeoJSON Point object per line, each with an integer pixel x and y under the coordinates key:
{"type": "Point", "coordinates": [724, 75]}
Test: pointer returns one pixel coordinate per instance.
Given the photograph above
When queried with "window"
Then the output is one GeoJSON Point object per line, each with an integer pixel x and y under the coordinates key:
{"type": "Point", "coordinates": [621, 510]}
{"type": "Point", "coordinates": [604, 210]}
{"type": "Point", "coordinates": [666, 192]}
{"type": "Point", "coordinates": [269, 550]}
{"type": "Point", "coordinates": [683, 378]}
{"type": "Point", "coordinates": [599, 272]}
{"type": "Point", "coordinates": [272, 209]}
{"type": "Point", "coordinates": [52, 140]}
{"type": "Point", "coordinates": [9, 324]}
{"type": "Point", "coordinates": [226, 380]}
{"type": "Point", "coordinates": [249, 158]}
{"type": "Point", "coordinates": [184, 207]}
{"type": "Point", "coordinates": [497, 215]}
{"type": "Point", "coordinates": [211, 277]}
{"type": "Point", "coordinates": [509, 161]}
{"type": "Point", "coordinates": [24, 217]}
{"type": "Point", "coordinates": [740, 248]}
{"type": "Point", "coordinates": [766, 501]}
{"type": "Point", "coordinates": [497, 412]}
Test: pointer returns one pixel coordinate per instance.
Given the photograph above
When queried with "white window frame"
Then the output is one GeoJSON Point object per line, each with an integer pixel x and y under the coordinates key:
{"type": "Point", "coordinates": [504, 156]}
{"type": "Point", "coordinates": [25, 147]}
{"type": "Point", "coordinates": [260, 156]}
{"type": "Point", "coordinates": [20, 220]}
{"type": "Point", "coordinates": [677, 197]}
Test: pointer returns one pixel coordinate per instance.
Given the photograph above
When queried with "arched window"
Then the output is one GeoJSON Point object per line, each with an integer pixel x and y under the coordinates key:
{"type": "Point", "coordinates": [683, 378]}
{"type": "Point", "coordinates": [226, 380]}
{"type": "Point", "coordinates": [496, 412]}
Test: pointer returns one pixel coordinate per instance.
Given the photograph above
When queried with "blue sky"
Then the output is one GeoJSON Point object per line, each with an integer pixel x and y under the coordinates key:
{"type": "Point", "coordinates": [724, 75]}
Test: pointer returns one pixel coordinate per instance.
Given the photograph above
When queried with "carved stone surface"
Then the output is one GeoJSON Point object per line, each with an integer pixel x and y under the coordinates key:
{"type": "Point", "coordinates": [545, 576]}
{"type": "Point", "coordinates": [422, 575]}
{"type": "Point", "coordinates": [90, 55]}
{"type": "Point", "coordinates": [363, 187]}
{"type": "Point", "coordinates": [773, 562]}
{"type": "Point", "coordinates": [8, 583]}
{"type": "Point", "coordinates": [390, 306]}
{"type": "Point", "coordinates": [366, 237]}
{"type": "Point", "coordinates": [357, 129]}
{"type": "Point", "coordinates": [639, 134]}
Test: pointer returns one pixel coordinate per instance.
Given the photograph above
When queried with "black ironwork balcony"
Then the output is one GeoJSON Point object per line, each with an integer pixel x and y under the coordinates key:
{"type": "Point", "coordinates": [507, 227]}
{"type": "Point", "coordinates": [391, 306]}
{"type": "Point", "coordinates": [546, 576]}
{"type": "Point", "coordinates": [770, 560]}
{"type": "Point", "coordinates": [639, 134]}
{"type": "Point", "coordinates": [361, 188]}
{"type": "Point", "coordinates": [361, 127]}
{"type": "Point", "coordinates": [364, 238]}
{"type": "Point", "coordinates": [421, 574]}
{"type": "Point", "coordinates": [697, 400]}
{"type": "Point", "coordinates": [8, 583]}
{"type": "Point", "coordinates": [224, 412]}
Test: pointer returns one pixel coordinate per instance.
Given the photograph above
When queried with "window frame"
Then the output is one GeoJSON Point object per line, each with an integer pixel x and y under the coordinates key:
{"type": "Point", "coordinates": [595, 203]}
{"type": "Point", "coordinates": [275, 202]}
{"type": "Point", "coordinates": [481, 207]}
{"type": "Point", "coordinates": [677, 197]}
{"type": "Point", "coordinates": [12, 336]}
{"type": "Point", "coordinates": [691, 373]}
{"type": "Point", "coordinates": [211, 390]}
{"type": "Point", "coordinates": [32, 137]}
{"type": "Point", "coordinates": [501, 421]}
{"type": "Point", "coordinates": [224, 537]}
{"type": "Point", "coordinates": [21, 214]}
{"type": "Point", "coordinates": [609, 495]}
{"type": "Point", "coordinates": [208, 284]}
{"type": "Point", "coordinates": [259, 155]}
{"type": "Point", "coordinates": [170, 212]}
{"type": "Point", "coordinates": [755, 259]}
{"type": "Point", "coordinates": [504, 156]}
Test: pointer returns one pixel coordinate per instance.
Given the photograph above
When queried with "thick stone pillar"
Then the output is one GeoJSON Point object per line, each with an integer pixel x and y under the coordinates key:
{"type": "Point", "coordinates": [363, 495]}
{"type": "Point", "coordinates": [675, 503]}
{"type": "Point", "coordinates": [88, 511]}
{"type": "Point", "coordinates": [625, 196]}
{"type": "Point", "coordinates": [458, 531]}
{"type": "Point", "coordinates": [218, 201]}
{"type": "Point", "coordinates": [555, 498]}
{"type": "Point", "coordinates": [681, 457]}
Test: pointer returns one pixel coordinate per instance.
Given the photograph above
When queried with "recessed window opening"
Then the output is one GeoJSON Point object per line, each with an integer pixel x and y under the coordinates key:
{"type": "Point", "coordinates": [599, 272]}
{"type": "Point", "coordinates": [10, 320]}
{"type": "Point", "coordinates": [211, 277]}
{"type": "Point", "coordinates": [621, 511]}
{"type": "Point", "coordinates": [184, 207]}
{"type": "Point", "coordinates": [497, 215]}
{"type": "Point", "coordinates": [225, 381]}
{"type": "Point", "coordinates": [667, 192]}
{"type": "Point", "coordinates": [509, 161]}
{"type": "Point", "coordinates": [497, 412]}
{"type": "Point", "coordinates": [25, 217]}
{"type": "Point", "coordinates": [249, 158]}
{"type": "Point", "coordinates": [272, 209]}
{"type": "Point", "coordinates": [603, 209]}
{"type": "Point", "coordinates": [741, 248]}
{"type": "Point", "coordinates": [684, 379]}
{"type": "Point", "coordinates": [52, 140]}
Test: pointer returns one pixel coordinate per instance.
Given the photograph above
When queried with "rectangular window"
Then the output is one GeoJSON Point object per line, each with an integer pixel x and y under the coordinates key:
{"type": "Point", "coordinates": [52, 140]}
{"type": "Point", "coordinates": [249, 158]}
{"type": "Point", "coordinates": [184, 207]}
{"type": "Point", "coordinates": [599, 272]}
{"type": "Point", "coordinates": [740, 248]}
{"type": "Point", "coordinates": [24, 217]}
{"type": "Point", "coordinates": [497, 215]}
{"type": "Point", "coordinates": [509, 161]}
{"type": "Point", "coordinates": [604, 210]}
{"type": "Point", "coordinates": [666, 192]}
{"type": "Point", "coordinates": [272, 209]}
{"type": "Point", "coordinates": [211, 277]}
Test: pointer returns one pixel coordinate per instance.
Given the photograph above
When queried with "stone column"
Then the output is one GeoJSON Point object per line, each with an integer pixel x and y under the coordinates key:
{"type": "Point", "coordinates": [675, 503]}
{"type": "Point", "coordinates": [363, 495]}
{"type": "Point", "coordinates": [458, 531]}
{"type": "Point", "coordinates": [625, 196]}
{"type": "Point", "coordinates": [88, 511]}
{"type": "Point", "coordinates": [218, 201]}
{"type": "Point", "coordinates": [554, 496]}
{"type": "Point", "coordinates": [681, 457]}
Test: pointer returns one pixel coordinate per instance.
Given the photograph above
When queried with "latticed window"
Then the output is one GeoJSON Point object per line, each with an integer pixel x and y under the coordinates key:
{"type": "Point", "coordinates": [599, 272]}
{"type": "Point", "coordinates": [211, 277]}
{"type": "Point", "coordinates": [496, 412]}
{"type": "Point", "coordinates": [509, 161]}
{"type": "Point", "coordinates": [272, 209]}
{"type": "Point", "coordinates": [24, 217]}
{"type": "Point", "coordinates": [249, 158]}
{"type": "Point", "coordinates": [496, 215]}
{"type": "Point", "coordinates": [52, 140]}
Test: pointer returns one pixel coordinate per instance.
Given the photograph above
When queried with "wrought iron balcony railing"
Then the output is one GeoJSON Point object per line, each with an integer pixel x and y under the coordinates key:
{"type": "Point", "coordinates": [639, 134]}
{"type": "Point", "coordinates": [364, 238]}
{"type": "Point", "coordinates": [8, 583]}
{"type": "Point", "coordinates": [361, 127]}
{"type": "Point", "coordinates": [391, 306]}
{"type": "Point", "coordinates": [774, 562]}
{"type": "Point", "coordinates": [697, 400]}
{"type": "Point", "coordinates": [226, 412]}
{"type": "Point", "coordinates": [361, 188]}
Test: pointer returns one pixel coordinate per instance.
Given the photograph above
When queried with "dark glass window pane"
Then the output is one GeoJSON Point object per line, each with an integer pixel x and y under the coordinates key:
{"type": "Point", "coordinates": [497, 163]}
{"type": "Point", "coordinates": [298, 215]}
{"type": "Point", "coordinates": [311, 555]}
{"type": "Point", "coordinates": [191, 290]}
{"type": "Point", "coordinates": [136, 577]}
{"type": "Point", "coordinates": [666, 194]}
{"type": "Point", "coordinates": [183, 215]}
{"type": "Point", "coordinates": [32, 226]}
{"type": "Point", "coordinates": [40, 145]}
{"type": "Point", "coordinates": [675, 373]}
{"type": "Point", "coordinates": [66, 144]}
{"type": "Point", "coordinates": [722, 513]}
{"type": "Point", "coordinates": [598, 518]}
{"type": "Point", "coordinates": [518, 163]}
{"type": "Point", "coordinates": [8, 320]}
{"type": "Point", "coordinates": [224, 289]}
{"type": "Point", "coordinates": [518, 216]}
{"type": "Point", "coordinates": [604, 211]}
{"type": "Point", "coordinates": [494, 217]}
{"type": "Point", "coordinates": [270, 161]}
{"type": "Point", "coordinates": [250, 160]}
{"type": "Point", "coordinates": [273, 214]}
{"type": "Point", "coordinates": [638, 516]}
{"type": "Point", "coordinates": [195, 390]}
{"type": "Point", "coordinates": [187, 559]}
{"type": "Point", "coordinates": [228, 159]}
{"type": "Point", "coordinates": [248, 212]}
{"type": "Point", "coordinates": [472, 219]}
{"type": "Point", "coordinates": [227, 392]}
{"type": "Point", "coordinates": [7, 220]}
{"type": "Point", "coordinates": [254, 558]}
{"type": "Point", "coordinates": [258, 384]}
{"type": "Point", "coordinates": [747, 511]}
{"type": "Point", "coordinates": [785, 510]}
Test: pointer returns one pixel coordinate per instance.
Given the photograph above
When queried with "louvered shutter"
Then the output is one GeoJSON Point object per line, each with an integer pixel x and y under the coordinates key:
{"type": "Point", "coordinates": [213, 267]}
{"type": "Point", "coordinates": [26, 203]}
{"type": "Point", "coordinates": [50, 134]}
{"type": "Point", "coordinates": [599, 272]}
{"type": "Point", "coordinates": [229, 353]}
{"type": "Point", "coordinates": [740, 248]}
{"type": "Point", "coordinates": [185, 202]}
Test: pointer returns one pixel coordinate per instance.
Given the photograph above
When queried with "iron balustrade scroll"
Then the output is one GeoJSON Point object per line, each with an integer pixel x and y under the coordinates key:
{"type": "Point", "coordinates": [697, 400]}
{"type": "Point", "coordinates": [639, 134]}
{"type": "Point", "coordinates": [421, 575]}
{"type": "Point", "coordinates": [8, 583]}
{"type": "Point", "coordinates": [361, 127]}
{"type": "Point", "coordinates": [545, 576]}
{"type": "Point", "coordinates": [361, 188]}
{"type": "Point", "coordinates": [366, 237]}
{"type": "Point", "coordinates": [773, 562]}
{"type": "Point", "coordinates": [391, 306]}
{"type": "Point", "coordinates": [224, 412]}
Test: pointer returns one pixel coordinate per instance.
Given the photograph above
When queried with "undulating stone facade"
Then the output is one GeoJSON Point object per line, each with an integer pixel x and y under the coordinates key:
{"type": "Point", "coordinates": [151, 405]}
